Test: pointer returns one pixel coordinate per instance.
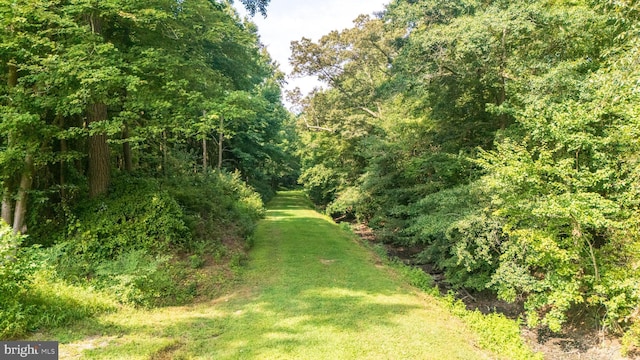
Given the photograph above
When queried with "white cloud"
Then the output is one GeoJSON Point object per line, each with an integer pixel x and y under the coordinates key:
{"type": "Point", "coordinates": [289, 20]}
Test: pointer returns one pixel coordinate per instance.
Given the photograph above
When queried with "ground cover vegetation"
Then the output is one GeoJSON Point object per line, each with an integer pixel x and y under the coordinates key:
{"type": "Point", "coordinates": [499, 137]}
{"type": "Point", "coordinates": [138, 141]}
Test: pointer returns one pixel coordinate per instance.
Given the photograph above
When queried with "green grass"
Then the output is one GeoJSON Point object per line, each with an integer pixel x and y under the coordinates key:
{"type": "Point", "coordinates": [310, 292]}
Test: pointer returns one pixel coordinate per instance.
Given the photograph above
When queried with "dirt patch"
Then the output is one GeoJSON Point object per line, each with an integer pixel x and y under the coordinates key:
{"type": "Point", "coordinates": [573, 344]}
{"type": "Point", "coordinates": [577, 342]}
{"type": "Point", "coordinates": [167, 352]}
{"type": "Point", "coordinates": [75, 350]}
{"type": "Point", "coordinates": [364, 232]}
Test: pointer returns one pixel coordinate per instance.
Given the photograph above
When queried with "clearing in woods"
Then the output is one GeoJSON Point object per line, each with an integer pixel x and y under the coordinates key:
{"type": "Point", "coordinates": [309, 292]}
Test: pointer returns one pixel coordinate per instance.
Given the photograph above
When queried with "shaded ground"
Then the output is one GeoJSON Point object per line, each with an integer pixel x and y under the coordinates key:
{"type": "Point", "coordinates": [578, 342]}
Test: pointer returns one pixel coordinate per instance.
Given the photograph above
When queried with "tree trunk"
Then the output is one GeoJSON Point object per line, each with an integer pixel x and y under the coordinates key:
{"type": "Point", "coordinates": [26, 180]}
{"type": "Point", "coordinates": [99, 157]}
{"type": "Point", "coordinates": [63, 180]}
{"type": "Point", "coordinates": [204, 154]}
{"type": "Point", "coordinates": [126, 150]}
{"type": "Point", "coordinates": [13, 75]}
{"type": "Point", "coordinates": [502, 96]}
{"type": "Point", "coordinates": [204, 147]}
{"type": "Point", "coordinates": [220, 140]}
{"type": "Point", "coordinates": [7, 191]}
{"type": "Point", "coordinates": [7, 206]}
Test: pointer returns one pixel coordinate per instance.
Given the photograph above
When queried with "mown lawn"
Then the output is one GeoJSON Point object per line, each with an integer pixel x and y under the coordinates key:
{"type": "Point", "coordinates": [310, 291]}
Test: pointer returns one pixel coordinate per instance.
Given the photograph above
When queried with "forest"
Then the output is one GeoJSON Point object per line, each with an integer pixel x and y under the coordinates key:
{"type": "Point", "coordinates": [499, 138]}
{"type": "Point", "coordinates": [135, 137]}
{"type": "Point", "coordinates": [140, 140]}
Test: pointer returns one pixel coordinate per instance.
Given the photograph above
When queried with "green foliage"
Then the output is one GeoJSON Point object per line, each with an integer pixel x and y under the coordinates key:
{"type": "Point", "coordinates": [563, 189]}
{"type": "Point", "coordinates": [140, 279]}
{"type": "Point", "coordinates": [418, 278]}
{"type": "Point", "coordinates": [15, 270]}
{"type": "Point", "coordinates": [137, 215]}
{"type": "Point", "coordinates": [32, 295]}
{"type": "Point", "coordinates": [496, 332]}
{"type": "Point", "coordinates": [499, 136]}
{"type": "Point", "coordinates": [152, 82]}
{"type": "Point", "coordinates": [217, 203]}
{"type": "Point", "coordinates": [320, 183]}
{"type": "Point", "coordinates": [631, 340]}
{"type": "Point", "coordinates": [127, 243]}
{"type": "Point", "coordinates": [345, 203]}
{"type": "Point", "coordinates": [172, 99]}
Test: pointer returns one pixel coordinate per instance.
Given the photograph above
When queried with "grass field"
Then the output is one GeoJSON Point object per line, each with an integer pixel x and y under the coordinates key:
{"type": "Point", "coordinates": [310, 291]}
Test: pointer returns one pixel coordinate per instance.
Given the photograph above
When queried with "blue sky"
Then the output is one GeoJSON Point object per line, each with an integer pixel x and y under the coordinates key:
{"type": "Point", "coordinates": [289, 20]}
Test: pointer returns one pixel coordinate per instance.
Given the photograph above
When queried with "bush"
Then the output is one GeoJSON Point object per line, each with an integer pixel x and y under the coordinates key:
{"type": "Point", "coordinates": [631, 340]}
{"type": "Point", "coordinates": [14, 274]}
{"type": "Point", "coordinates": [137, 278]}
{"type": "Point", "coordinates": [31, 294]}
{"type": "Point", "coordinates": [345, 205]}
{"type": "Point", "coordinates": [496, 332]}
{"type": "Point", "coordinates": [128, 242]}
{"type": "Point", "coordinates": [217, 203]}
{"type": "Point", "coordinates": [137, 215]}
{"type": "Point", "coordinates": [320, 183]}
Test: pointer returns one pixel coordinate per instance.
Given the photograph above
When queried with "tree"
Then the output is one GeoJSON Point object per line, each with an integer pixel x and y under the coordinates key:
{"type": "Point", "coordinates": [342, 120]}
{"type": "Point", "coordinates": [497, 136]}
{"type": "Point", "coordinates": [82, 77]}
{"type": "Point", "coordinates": [256, 5]}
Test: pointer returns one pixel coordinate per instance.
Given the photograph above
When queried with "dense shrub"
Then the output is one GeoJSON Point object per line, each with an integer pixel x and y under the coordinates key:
{"type": "Point", "coordinates": [140, 279]}
{"type": "Point", "coordinates": [33, 296]}
{"type": "Point", "coordinates": [136, 215]}
{"type": "Point", "coordinates": [320, 183]}
{"type": "Point", "coordinates": [130, 243]}
{"type": "Point", "coordinates": [14, 274]}
{"type": "Point", "coordinates": [217, 204]}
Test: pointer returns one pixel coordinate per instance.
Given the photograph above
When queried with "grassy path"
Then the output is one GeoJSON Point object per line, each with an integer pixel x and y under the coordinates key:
{"type": "Point", "coordinates": [311, 292]}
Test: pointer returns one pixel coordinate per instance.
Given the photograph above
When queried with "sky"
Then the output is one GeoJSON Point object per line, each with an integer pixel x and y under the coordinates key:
{"type": "Point", "coordinates": [289, 20]}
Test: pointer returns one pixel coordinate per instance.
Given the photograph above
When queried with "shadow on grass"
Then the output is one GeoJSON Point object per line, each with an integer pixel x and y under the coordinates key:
{"type": "Point", "coordinates": [290, 200]}
{"type": "Point", "coordinates": [276, 214]}
{"type": "Point", "coordinates": [305, 320]}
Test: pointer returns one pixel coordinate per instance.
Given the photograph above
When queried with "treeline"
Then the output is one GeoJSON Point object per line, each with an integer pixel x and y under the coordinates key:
{"type": "Point", "coordinates": [138, 140]}
{"type": "Point", "coordinates": [160, 87]}
{"type": "Point", "coordinates": [498, 136]}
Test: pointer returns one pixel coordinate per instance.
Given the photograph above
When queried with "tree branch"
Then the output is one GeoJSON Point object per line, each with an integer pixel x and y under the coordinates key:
{"type": "Point", "coordinates": [318, 128]}
{"type": "Point", "coordinates": [449, 70]}
{"type": "Point", "coordinates": [370, 112]}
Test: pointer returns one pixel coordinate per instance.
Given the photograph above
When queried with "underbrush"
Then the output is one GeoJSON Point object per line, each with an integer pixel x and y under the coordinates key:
{"type": "Point", "coordinates": [33, 296]}
{"type": "Point", "coordinates": [540, 256]}
{"type": "Point", "coordinates": [148, 243]}
{"type": "Point", "coordinates": [496, 332]}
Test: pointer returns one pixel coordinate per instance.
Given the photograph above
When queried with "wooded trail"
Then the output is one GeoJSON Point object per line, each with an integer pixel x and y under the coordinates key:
{"type": "Point", "coordinates": [310, 291]}
{"type": "Point", "coordinates": [315, 293]}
